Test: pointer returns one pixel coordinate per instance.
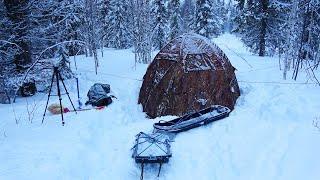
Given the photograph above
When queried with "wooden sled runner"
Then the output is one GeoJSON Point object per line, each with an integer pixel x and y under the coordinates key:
{"type": "Point", "coordinates": [189, 121]}
{"type": "Point", "coordinates": [151, 148]}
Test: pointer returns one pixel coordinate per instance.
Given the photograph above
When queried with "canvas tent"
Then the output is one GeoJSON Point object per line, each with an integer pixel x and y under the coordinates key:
{"type": "Point", "coordinates": [190, 73]}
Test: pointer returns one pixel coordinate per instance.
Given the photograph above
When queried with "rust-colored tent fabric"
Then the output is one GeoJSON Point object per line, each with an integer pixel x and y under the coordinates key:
{"type": "Point", "coordinates": [188, 74]}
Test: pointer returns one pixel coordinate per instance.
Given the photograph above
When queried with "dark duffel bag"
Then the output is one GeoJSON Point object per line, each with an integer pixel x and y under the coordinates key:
{"type": "Point", "coordinates": [98, 95]}
{"type": "Point", "coordinates": [104, 101]}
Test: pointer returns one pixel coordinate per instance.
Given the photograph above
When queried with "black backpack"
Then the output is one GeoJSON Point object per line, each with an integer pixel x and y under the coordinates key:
{"type": "Point", "coordinates": [98, 95]}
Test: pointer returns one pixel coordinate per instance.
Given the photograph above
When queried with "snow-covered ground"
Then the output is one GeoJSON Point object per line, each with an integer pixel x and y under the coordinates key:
{"type": "Point", "coordinates": [269, 135]}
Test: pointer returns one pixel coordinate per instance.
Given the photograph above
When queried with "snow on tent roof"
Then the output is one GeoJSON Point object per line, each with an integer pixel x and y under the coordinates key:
{"type": "Point", "coordinates": [190, 43]}
{"type": "Point", "coordinates": [196, 44]}
{"type": "Point", "coordinates": [195, 51]}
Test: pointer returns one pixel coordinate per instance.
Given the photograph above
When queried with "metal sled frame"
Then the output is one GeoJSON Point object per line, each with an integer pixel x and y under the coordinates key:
{"type": "Point", "coordinates": [175, 125]}
{"type": "Point", "coordinates": [150, 159]}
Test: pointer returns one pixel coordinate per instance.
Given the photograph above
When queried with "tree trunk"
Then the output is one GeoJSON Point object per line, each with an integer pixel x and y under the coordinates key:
{"type": "Point", "coordinates": [263, 30]}
{"type": "Point", "coordinates": [303, 54]}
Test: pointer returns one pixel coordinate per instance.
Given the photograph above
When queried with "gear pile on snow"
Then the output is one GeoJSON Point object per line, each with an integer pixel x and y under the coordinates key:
{"type": "Point", "coordinates": [190, 73]}
{"type": "Point", "coordinates": [56, 109]}
{"type": "Point", "coordinates": [4, 98]}
{"type": "Point", "coordinates": [28, 89]}
{"type": "Point", "coordinates": [98, 95]}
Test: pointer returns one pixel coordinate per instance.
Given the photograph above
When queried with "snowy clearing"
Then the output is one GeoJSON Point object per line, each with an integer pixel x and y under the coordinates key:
{"type": "Point", "coordinates": [269, 135]}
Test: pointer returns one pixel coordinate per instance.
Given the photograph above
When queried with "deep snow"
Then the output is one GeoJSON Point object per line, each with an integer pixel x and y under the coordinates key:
{"type": "Point", "coordinates": [269, 135]}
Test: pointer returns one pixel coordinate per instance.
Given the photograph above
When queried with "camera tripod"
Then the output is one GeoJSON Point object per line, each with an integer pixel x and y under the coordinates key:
{"type": "Point", "coordinates": [56, 75]}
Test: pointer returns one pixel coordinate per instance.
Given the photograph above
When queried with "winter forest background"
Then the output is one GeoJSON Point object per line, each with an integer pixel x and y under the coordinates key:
{"type": "Point", "coordinates": [31, 31]}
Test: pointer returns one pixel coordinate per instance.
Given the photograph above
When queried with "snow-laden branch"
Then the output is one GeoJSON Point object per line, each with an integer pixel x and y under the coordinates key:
{"type": "Point", "coordinates": [39, 58]}
{"type": "Point", "coordinates": [11, 43]}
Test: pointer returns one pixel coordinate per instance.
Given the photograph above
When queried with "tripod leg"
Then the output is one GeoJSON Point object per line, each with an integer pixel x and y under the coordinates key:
{"type": "Point", "coordinates": [59, 95]}
{"type": "Point", "coordinates": [65, 88]}
{"type": "Point", "coordinates": [45, 110]}
{"type": "Point", "coordinates": [159, 169]}
{"type": "Point", "coordinates": [142, 167]}
{"type": "Point", "coordinates": [79, 102]}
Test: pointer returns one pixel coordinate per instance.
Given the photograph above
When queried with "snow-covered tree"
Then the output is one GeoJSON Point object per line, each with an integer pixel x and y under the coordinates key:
{"type": "Point", "coordinates": [302, 43]}
{"type": "Point", "coordinates": [18, 27]}
{"type": "Point", "coordinates": [230, 15]}
{"type": "Point", "coordinates": [290, 45]}
{"type": "Point", "coordinates": [259, 24]}
{"type": "Point", "coordinates": [7, 48]}
{"type": "Point", "coordinates": [206, 24]}
{"type": "Point", "coordinates": [56, 22]}
{"type": "Point", "coordinates": [92, 29]}
{"type": "Point", "coordinates": [141, 30]}
{"type": "Point", "coordinates": [105, 9]}
{"type": "Point", "coordinates": [159, 13]}
{"type": "Point", "coordinates": [238, 18]}
{"type": "Point", "coordinates": [174, 18]}
{"type": "Point", "coordinates": [119, 33]}
{"type": "Point", "coordinates": [188, 15]}
{"type": "Point", "coordinates": [7, 52]}
{"type": "Point", "coordinates": [220, 14]}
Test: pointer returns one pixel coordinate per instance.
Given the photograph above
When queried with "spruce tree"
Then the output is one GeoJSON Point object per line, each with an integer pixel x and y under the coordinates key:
{"type": "Point", "coordinates": [206, 23]}
{"type": "Point", "coordinates": [238, 19]}
{"type": "Point", "coordinates": [187, 14]}
{"type": "Point", "coordinates": [259, 25]}
{"type": "Point", "coordinates": [220, 15]}
{"type": "Point", "coordinates": [159, 13]}
{"type": "Point", "coordinates": [174, 19]}
{"type": "Point", "coordinates": [231, 13]}
{"type": "Point", "coordinates": [57, 22]}
{"type": "Point", "coordinates": [119, 34]}
{"type": "Point", "coordinates": [5, 39]}
{"type": "Point", "coordinates": [18, 26]}
{"type": "Point", "coordinates": [105, 9]}
{"type": "Point", "coordinates": [72, 28]}
{"type": "Point", "coordinates": [142, 31]}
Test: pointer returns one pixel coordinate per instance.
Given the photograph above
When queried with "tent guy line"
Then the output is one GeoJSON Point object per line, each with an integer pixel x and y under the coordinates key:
{"type": "Point", "coordinates": [278, 83]}
{"type": "Point", "coordinates": [249, 82]}
{"type": "Point", "coordinates": [238, 55]}
{"type": "Point", "coordinates": [113, 75]}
